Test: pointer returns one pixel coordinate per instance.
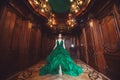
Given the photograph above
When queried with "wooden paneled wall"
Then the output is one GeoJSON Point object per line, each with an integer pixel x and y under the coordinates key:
{"type": "Point", "coordinates": [48, 43]}
{"type": "Point", "coordinates": [20, 43]}
{"type": "Point", "coordinates": [100, 43]}
{"type": "Point", "coordinates": [110, 34]}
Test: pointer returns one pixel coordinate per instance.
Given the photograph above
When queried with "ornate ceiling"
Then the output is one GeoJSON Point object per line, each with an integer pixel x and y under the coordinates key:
{"type": "Point", "coordinates": [60, 14]}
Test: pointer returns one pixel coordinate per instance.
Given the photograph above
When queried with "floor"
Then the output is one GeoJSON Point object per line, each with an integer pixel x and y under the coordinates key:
{"type": "Point", "coordinates": [32, 74]}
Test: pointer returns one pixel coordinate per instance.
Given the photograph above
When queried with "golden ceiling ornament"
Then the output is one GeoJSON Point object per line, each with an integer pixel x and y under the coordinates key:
{"type": "Point", "coordinates": [79, 6]}
{"type": "Point", "coordinates": [76, 8]}
{"type": "Point", "coordinates": [41, 6]}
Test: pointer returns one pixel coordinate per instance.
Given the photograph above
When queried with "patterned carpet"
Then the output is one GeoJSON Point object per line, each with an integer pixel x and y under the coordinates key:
{"type": "Point", "coordinates": [32, 74]}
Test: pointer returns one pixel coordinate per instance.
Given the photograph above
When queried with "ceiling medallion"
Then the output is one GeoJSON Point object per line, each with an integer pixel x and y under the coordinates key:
{"type": "Point", "coordinates": [51, 8]}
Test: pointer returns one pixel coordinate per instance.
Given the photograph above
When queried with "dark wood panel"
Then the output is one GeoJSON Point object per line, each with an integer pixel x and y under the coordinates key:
{"type": "Point", "coordinates": [109, 36]}
{"type": "Point", "coordinates": [83, 46]}
{"type": "Point", "coordinates": [19, 43]}
{"type": "Point", "coordinates": [99, 44]}
{"type": "Point", "coordinates": [111, 40]}
{"type": "Point", "coordinates": [113, 66]}
{"type": "Point", "coordinates": [90, 43]}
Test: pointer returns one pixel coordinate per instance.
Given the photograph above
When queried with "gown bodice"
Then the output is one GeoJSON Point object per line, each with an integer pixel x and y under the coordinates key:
{"type": "Point", "coordinates": [59, 43]}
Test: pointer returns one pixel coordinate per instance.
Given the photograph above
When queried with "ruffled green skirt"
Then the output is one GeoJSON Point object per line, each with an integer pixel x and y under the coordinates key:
{"type": "Point", "coordinates": [60, 56]}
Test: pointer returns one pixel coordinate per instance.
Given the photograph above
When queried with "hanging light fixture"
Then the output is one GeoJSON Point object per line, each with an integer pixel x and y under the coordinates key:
{"type": "Point", "coordinates": [71, 21]}
{"type": "Point", "coordinates": [51, 20]}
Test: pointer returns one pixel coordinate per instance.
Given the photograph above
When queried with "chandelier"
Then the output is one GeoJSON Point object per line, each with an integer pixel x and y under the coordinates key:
{"type": "Point", "coordinates": [51, 20]}
{"type": "Point", "coordinates": [71, 21]}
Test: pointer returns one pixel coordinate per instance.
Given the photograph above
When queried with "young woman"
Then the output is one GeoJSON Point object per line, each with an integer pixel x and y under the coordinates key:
{"type": "Point", "coordinates": [60, 58]}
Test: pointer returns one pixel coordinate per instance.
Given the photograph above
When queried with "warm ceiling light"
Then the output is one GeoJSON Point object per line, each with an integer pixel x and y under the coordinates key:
{"type": "Point", "coordinates": [46, 0]}
{"type": "Point", "coordinates": [30, 2]}
{"type": "Point", "coordinates": [36, 2]}
{"type": "Point", "coordinates": [72, 25]}
{"type": "Point", "coordinates": [91, 23]}
{"type": "Point", "coordinates": [50, 20]}
{"type": "Point", "coordinates": [76, 10]}
{"type": "Point", "coordinates": [69, 15]}
{"type": "Point", "coordinates": [53, 22]}
{"type": "Point", "coordinates": [53, 15]}
{"type": "Point", "coordinates": [79, 2]}
{"type": "Point", "coordinates": [71, 0]}
{"type": "Point", "coordinates": [51, 25]}
{"type": "Point", "coordinates": [42, 10]}
{"type": "Point", "coordinates": [44, 5]}
{"type": "Point", "coordinates": [73, 5]}
{"type": "Point", "coordinates": [78, 5]}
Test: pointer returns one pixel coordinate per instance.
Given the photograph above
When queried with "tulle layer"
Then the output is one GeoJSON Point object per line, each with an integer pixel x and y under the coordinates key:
{"type": "Point", "coordinates": [60, 56]}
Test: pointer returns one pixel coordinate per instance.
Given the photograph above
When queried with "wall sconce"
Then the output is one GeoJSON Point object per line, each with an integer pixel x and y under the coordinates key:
{"type": "Point", "coordinates": [30, 25]}
{"type": "Point", "coordinates": [91, 23]}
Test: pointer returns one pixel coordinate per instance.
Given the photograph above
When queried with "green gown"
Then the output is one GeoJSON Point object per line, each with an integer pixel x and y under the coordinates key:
{"type": "Point", "coordinates": [60, 56]}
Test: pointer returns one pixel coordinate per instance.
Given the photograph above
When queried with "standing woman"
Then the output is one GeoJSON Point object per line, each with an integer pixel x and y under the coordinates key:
{"type": "Point", "coordinates": [59, 57]}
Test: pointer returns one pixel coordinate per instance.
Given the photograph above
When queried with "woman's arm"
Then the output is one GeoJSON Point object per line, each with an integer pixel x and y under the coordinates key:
{"type": "Point", "coordinates": [64, 44]}
{"type": "Point", "coordinates": [55, 44]}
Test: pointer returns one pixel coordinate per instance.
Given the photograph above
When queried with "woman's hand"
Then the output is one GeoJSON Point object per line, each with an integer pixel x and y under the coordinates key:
{"type": "Point", "coordinates": [64, 44]}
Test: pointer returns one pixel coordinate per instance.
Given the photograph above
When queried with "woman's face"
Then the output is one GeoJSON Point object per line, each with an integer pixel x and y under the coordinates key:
{"type": "Point", "coordinates": [60, 36]}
